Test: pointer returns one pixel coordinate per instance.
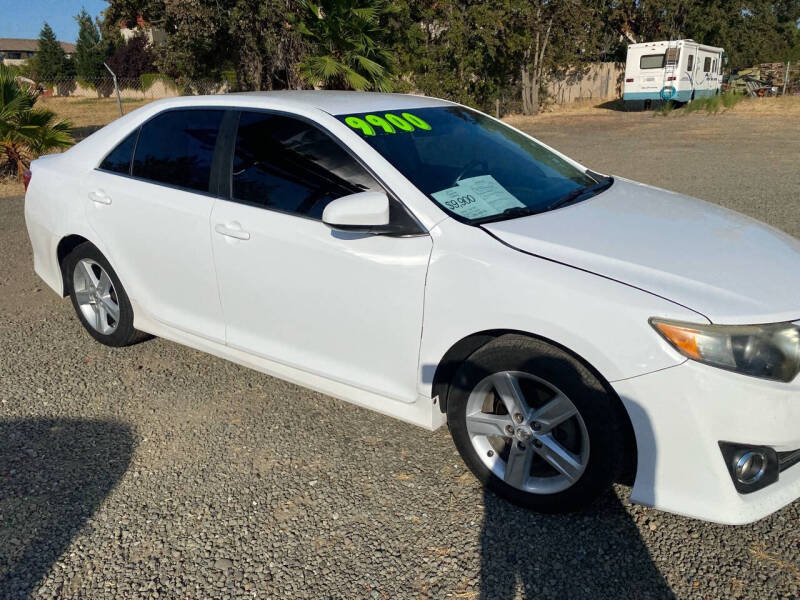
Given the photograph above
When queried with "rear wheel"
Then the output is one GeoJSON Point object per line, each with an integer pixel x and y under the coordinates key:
{"type": "Point", "coordinates": [98, 297]}
{"type": "Point", "coordinates": [535, 425]}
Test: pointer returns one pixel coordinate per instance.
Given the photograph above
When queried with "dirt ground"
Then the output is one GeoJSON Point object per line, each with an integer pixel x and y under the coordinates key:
{"type": "Point", "coordinates": [155, 471]}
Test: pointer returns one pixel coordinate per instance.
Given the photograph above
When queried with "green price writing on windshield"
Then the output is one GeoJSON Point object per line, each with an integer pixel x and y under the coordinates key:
{"type": "Point", "coordinates": [388, 123]}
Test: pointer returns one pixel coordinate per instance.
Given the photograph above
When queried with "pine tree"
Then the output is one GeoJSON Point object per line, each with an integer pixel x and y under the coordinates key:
{"type": "Point", "coordinates": [51, 62]}
{"type": "Point", "coordinates": [89, 53]}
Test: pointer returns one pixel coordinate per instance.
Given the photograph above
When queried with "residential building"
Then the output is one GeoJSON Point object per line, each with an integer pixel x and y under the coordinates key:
{"type": "Point", "coordinates": [15, 51]}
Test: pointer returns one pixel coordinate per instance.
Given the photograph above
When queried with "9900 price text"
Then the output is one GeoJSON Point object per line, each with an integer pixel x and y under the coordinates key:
{"type": "Point", "coordinates": [459, 202]}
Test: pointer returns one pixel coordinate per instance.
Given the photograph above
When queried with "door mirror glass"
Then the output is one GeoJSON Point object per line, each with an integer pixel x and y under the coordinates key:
{"type": "Point", "coordinates": [364, 211]}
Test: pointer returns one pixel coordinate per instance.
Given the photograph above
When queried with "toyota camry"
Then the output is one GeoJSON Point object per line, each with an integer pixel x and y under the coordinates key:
{"type": "Point", "coordinates": [424, 260]}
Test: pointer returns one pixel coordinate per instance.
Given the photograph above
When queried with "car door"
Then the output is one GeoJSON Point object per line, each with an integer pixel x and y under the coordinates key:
{"type": "Point", "coordinates": [150, 205]}
{"type": "Point", "coordinates": [344, 306]}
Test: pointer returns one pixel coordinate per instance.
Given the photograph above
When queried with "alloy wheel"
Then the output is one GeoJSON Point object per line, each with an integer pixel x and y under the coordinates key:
{"type": "Point", "coordinates": [96, 297]}
{"type": "Point", "coordinates": [527, 432]}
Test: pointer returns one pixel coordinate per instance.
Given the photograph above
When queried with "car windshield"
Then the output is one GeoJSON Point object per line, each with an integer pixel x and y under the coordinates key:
{"type": "Point", "coordinates": [475, 168]}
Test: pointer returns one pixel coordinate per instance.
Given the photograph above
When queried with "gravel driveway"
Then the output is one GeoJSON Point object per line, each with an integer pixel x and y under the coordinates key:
{"type": "Point", "coordinates": [159, 472]}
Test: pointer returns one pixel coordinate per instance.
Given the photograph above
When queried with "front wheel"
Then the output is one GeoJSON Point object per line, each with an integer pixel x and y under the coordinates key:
{"type": "Point", "coordinates": [535, 425]}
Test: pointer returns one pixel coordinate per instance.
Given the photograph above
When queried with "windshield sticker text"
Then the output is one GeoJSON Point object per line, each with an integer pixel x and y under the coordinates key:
{"type": "Point", "coordinates": [388, 123]}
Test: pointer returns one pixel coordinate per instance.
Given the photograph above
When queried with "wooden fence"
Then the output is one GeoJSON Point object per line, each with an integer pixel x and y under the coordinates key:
{"type": "Point", "coordinates": [598, 81]}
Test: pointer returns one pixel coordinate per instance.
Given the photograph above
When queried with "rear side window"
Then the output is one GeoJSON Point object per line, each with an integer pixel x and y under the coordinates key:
{"type": "Point", "coordinates": [707, 64]}
{"type": "Point", "coordinates": [690, 62]}
{"type": "Point", "coordinates": [289, 165]}
{"type": "Point", "coordinates": [119, 159]}
{"type": "Point", "coordinates": [651, 61]}
{"type": "Point", "coordinates": [177, 147]}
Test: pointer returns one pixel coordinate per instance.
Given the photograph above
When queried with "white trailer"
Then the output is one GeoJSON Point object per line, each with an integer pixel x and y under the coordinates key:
{"type": "Point", "coordinates": [677, 70]}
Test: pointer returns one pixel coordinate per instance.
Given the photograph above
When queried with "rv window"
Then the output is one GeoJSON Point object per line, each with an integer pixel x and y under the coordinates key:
{"type": "Point", "coordinates": [714, 67]}
{"type": "Point", "coordinates": [652, 61]}
{"type": "Point", "coordinates": [707, 64]}
{"type": "Point", "coordinates": [690, 63]}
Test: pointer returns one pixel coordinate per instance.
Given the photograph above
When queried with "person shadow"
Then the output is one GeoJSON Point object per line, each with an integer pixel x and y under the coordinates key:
{"type": "Point", "coordinates": [54, 473]}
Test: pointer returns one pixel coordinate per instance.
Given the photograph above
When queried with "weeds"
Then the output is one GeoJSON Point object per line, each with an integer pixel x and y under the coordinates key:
{"type": "Point", "coordinates": [713, 104]}
{"type": "Point", "coordinates": [665, 109]}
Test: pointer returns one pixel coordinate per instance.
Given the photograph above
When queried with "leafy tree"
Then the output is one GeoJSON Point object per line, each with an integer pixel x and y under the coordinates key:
{"type": "Point", "coordinates": [452, 49]}
{"type": "Point", "coordinates": [51, 63]}
{"type": "Point", "coordinates": [89, 51]}
{"type": "Point", "coordinates": [266, 46]}
{"type": "Point", "coordinates": [346, 44]}
{"type": "Point", "coordinates": [132, 59]}
{"type": "Point", "coordinates": [25, 131]}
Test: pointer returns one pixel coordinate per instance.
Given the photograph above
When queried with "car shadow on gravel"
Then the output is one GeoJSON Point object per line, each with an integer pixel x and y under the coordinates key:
{"type": "Point", "coordinates": [54, 474]}
{"type": "Point", "coordinates": [595, 554]}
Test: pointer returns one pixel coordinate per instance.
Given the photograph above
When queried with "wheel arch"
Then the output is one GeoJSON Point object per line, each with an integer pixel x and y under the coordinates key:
{"type": "Point", "coordinates": [66, 245]}
{"type": "Point", "coordinates": [466, 346]}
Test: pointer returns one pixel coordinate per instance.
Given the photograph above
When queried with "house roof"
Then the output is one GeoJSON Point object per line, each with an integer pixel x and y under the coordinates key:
{"type": "Point", "coordinates": [24, 45]}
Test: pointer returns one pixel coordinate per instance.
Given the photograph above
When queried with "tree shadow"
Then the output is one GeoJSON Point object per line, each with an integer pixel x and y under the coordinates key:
{"type": "Point", "coordinates": [54, 473]}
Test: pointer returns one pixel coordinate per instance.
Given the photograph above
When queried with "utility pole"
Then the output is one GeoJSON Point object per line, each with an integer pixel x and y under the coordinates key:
{"type": "Point", "coordinates": [116, 88]}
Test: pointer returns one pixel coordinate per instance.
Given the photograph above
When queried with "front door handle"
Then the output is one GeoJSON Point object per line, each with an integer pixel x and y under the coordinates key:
{"type": "Point", "coordinates": [100, 197]}
{"type": "Point", "coordinates": [233, 232]}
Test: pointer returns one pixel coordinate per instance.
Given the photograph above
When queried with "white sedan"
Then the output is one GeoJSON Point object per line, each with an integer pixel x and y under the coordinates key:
{"type": "Point", "coordinates": [424, 260]}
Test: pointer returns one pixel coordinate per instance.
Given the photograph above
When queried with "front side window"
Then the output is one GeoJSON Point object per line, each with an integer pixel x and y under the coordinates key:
{"type": "Point", "coordinates": [707, 64]}
{"type": "Point", "coordinates": [119, 159]}
{"type": "Point", "coordinates": [690, 63]}
{"type": "Point", "coordinates": [177, 147]}
{"type": "Point", "coordinates": [472, 166]}
{"type": "Point", "coordinates": [286, 164]}
{"type": "Point", "coordinates": [652, 61]}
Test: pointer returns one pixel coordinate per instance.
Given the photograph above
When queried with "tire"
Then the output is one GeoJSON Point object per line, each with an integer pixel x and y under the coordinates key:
{"type": "Point", "coordinates": [97, 299]}
{"type": "Point", "coordinates": [544, 375]}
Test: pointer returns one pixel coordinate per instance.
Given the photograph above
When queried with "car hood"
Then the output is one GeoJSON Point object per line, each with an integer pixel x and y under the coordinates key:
{"type": "Point", "coordinates": [728, 267]}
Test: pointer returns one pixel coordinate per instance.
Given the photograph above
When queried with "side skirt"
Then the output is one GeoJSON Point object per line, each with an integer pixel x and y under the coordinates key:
{"type": "Point", "coordinates": [423, 412]}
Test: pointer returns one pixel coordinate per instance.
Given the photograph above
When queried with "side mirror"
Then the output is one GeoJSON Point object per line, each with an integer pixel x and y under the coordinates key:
{"type": "Point", "coordinates": [366, 212]}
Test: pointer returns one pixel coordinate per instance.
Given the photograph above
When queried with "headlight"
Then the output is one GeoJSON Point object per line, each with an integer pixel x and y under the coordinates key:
{"type": "Point", "coordinates": [768, 351]}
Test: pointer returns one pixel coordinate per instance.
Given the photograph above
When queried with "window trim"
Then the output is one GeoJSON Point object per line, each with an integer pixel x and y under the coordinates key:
{"type": "Point", "coordinates": [393, 197]}
{"type": "Point", "coordinates": [130, 175]}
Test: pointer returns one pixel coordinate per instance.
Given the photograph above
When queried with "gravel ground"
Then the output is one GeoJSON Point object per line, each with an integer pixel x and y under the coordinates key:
{"type": "Point", "coordinates": [159, 472]}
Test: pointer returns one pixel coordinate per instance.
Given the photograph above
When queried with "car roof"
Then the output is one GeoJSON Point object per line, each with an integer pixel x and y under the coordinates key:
{"type": "Point", "coordinates": [332, 102]}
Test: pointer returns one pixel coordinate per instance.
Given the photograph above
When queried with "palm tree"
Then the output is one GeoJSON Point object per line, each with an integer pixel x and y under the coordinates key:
{"type": "Point", "coordinates": [345, 40]}
{"type": "Point", "coordinates": [26, 132]}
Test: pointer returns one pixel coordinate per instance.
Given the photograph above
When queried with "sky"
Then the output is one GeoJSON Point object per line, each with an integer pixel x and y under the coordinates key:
{"type": "Point", "coordinates": [24, 18]}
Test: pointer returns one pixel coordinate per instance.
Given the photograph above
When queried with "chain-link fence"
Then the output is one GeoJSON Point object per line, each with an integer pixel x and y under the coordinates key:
{"type": "Point", "coordinates": [146, 87]}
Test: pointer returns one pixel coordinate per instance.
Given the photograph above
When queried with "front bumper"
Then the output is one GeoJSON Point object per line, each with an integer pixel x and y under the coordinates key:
{"type": "Point", "coordinates": [680, 415]}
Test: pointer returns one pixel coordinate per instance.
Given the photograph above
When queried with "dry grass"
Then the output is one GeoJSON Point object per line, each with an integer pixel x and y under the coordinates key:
{"type": "Point", "coordinates": [88, 114]}
{"type": "Point", "coordinates": [782, 105]}
{"type": "Point", "coordinates": [9, 187]}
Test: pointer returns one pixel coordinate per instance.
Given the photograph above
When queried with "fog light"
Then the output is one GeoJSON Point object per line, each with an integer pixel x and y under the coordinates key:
{"type": "Point", "coordinates": [751, 466]}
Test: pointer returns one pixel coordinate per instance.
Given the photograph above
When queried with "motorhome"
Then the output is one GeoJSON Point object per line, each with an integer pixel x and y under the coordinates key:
{"type": "Point", "coordinates": [677, 71]}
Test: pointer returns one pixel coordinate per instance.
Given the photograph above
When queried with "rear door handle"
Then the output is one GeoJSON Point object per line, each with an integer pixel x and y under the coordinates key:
{"type": "Point", "coordinates": [233, 232]}
{"type": "Point", "coordinates": [100, 197]}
